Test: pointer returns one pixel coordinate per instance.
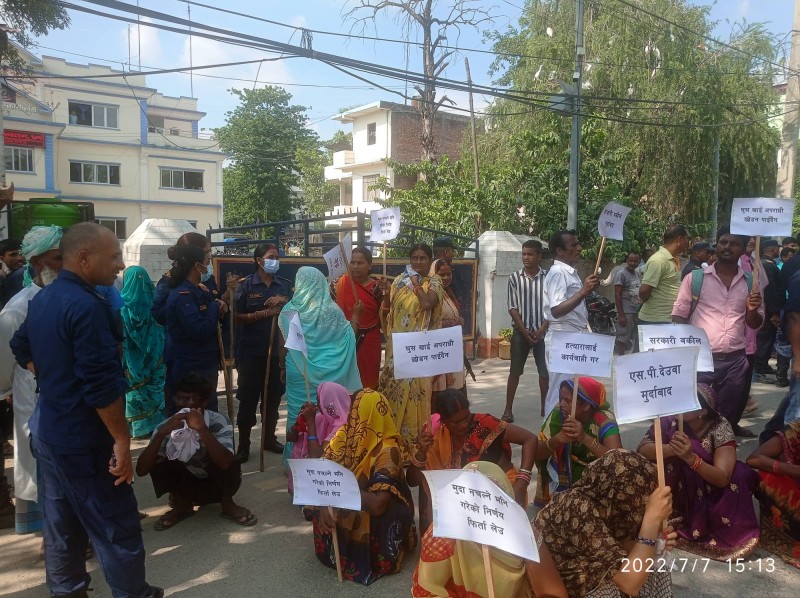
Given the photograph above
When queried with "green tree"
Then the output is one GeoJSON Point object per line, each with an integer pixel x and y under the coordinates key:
{"type": "Point", "coordinates": [263, 134]}
{"type": "Point", "coordinates": [27, 19]}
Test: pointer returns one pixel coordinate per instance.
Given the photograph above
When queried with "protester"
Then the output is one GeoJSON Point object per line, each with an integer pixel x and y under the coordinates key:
{"type": "Point", "coordinates": [774, 299]}
{"type": "Point", "coordinates": [564, 299]}
{"type": "Point", "coordinates": [142, 354]}
{"type": "Point", "coordinates": [661, 278]}
{"type": "Point", "coordinates": [12, 271]}
{"type": "Point", "coordinates": [69, 342]}
{"type": "Point", "coordinates": [791, 314]}
{"type": "Point", "coordinates": [366, 317]}
{"type": "Point", "coordinates": [712, 491]}
{"type": "Point", "coordinates": [451, 316]}
{"type": "Point", "coordinates": [374, 541]}
{"type": "Point", "coordinates": [566, 444]}
{"type": "Point", "coordinates": [258, 299]}
{"type": "Point", "coordinates": [786, 254]}
{"type": "Point", "coordinates": [646, 255]}
{"type": "Point", "coordinates": [192, 321]}
{"type": "Point", "coordinates": [526, 308]}
{"type": "Point", "coordinates": [456, 567]}
{"type": "Point", "coordinates": [413, 304]}
{"type": "Point", "coordinates": [748, 265]}
{"type": "Point", "coordinates": [790, 243]}
{"type": "Point", "coordinates": [700, 254]}
{"type": "Point", "coordinates": [40, 248]}
{"type": "Point", "coordinates": [626, 298]}
{"type": "Point", "coordinates": [329, 339]}
{"type": "Point", "coordinates": [721, 301]}
{"type": "Point", "coordinates": [610, 518]}
{"type": "Point", "coordinates": [783, 348]}
{"type": "Point", "coordinates": [778, 460]}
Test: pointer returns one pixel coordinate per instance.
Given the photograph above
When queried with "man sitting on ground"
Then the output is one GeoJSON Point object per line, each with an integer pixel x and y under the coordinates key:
{"type": "Point", "coordinates": [198, 466]}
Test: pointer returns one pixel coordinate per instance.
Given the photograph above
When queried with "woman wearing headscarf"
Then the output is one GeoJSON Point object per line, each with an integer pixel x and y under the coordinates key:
{"type": "Point", "coordinates": [142, 354]}
{"type": "Point", "coordinates": [413, 304]}
{"type": "Point", "coordinates": [450, 317]}
{"type": "Point", "coordinates": [456, 568]}
{"type": "Point", "coordinates": [713, 508]}
{"type": "Point", "coordinates": [372, 542]}
{"type": "Point", "coordinates": [605, 523]}
{"type": "Point", "coordinates": [329, 339]}
{"type": "Point", "coordinates": [566, 444]}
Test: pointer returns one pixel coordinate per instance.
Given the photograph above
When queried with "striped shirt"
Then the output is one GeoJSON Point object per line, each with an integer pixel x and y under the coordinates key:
{"type": "Point", "coordinates": [526, 295]}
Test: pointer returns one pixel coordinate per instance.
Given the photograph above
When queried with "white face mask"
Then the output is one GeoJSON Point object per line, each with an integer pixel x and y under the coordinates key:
{"type": "Point", "coordinates": [270, 265]}
{"type": "Point", "coordinates": [48, 276]}
{"type": "Point", "coordinates": [207, 274]}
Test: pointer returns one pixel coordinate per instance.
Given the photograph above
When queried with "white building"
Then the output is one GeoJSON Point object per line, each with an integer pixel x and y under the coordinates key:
{"type": "Point", "coordinates": [79, 133]}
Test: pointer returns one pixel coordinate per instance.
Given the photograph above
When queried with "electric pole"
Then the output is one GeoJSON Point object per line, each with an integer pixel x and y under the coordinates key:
{"type": "Point", "coordinates": [791, 117]}
{"type": "Point", "coordinates": [575, 141]}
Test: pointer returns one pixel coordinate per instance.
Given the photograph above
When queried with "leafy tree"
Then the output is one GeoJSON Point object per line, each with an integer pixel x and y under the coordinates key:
{"type": "Point", "coordinates": [28, 18]}
{"type": "Point", "coordinates": [317, 195]}
{"type": "Point", "coordinates": [263, 134]}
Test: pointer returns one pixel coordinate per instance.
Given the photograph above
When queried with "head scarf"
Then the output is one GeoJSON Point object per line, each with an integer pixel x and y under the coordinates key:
{"type": "Point", "coordinates": [709, 396]}
{"type": "Point", "coordinates": [38, 241]}
{"type": "Point", "coordinates": [370, 426]}
{"type": "Point", "coordinates": [143, 343]}
{"type": "Point", "coordinates": [584, 527]}
{"type": "Point", "coordinates": [334, 406]}
{"type": "Point", "coordinates": [494, 472]}
{"type": "Point", "coordinates": [589, 390]}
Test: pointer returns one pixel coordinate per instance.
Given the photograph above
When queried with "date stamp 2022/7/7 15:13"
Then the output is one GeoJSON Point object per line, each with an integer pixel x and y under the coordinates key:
{"type": "Point", "coordinates": [666, 564]}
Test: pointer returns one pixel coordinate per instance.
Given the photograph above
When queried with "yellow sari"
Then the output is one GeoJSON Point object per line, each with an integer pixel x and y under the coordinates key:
{"type": "Point", "coordinates": [409, 398]}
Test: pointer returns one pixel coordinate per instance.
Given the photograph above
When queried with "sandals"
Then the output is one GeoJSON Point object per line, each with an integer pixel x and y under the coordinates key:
{"type": "Point", "coordinates": [245, 518]}
{"type": "Point", "coordinates": [170, 519]}
{"type": "Point", "coordinates": [508, 418]}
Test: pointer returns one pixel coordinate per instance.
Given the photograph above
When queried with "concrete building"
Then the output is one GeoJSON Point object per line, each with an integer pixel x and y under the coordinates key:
{"type": "Point", "coordinates": [85, 133]}
{"type": "Point", "coordinates": [381, 131]}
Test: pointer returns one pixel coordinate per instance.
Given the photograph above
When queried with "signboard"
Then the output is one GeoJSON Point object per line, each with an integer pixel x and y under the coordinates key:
{"type": "Point", "coordinates": [762, 216]}
{"type": "Point", "coordinates": [612, 220]}
{"type": "Point", "coordinates": [385, 224]}
{"type": "Point", "coordinates": [23, 138]}
{"type": "Point", "coordinates": [324, 483]}
{"type": "Point", "coordinates": [337, 260]}
{"type": "Point", "coordinates": [669, 336]}
{"type": "Point", "coordinates": [429, 353]}
{"type": "Point", "coordinates": [581, 353]}
{"type": "Point", "coordinates": [296, 339]}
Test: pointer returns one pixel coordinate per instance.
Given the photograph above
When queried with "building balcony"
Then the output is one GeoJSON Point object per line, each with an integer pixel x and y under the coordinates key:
{"type": "Point", "coordinates": [342, 158]}
{"type": "Point", "coordinates": [180, 138]}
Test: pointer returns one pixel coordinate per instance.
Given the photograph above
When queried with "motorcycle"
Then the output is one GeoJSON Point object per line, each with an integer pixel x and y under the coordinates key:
{"type": "Point", "coordinates": [602, 314]}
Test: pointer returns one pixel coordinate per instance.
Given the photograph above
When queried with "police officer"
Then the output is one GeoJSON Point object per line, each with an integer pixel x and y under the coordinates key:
{"type": "Point", "coordinates": [258, 298]}
{"type": "Point", "coordinates": [192, 316]}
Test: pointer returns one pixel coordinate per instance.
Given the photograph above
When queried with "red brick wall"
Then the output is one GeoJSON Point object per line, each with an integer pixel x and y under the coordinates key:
{"type": "Point", "coordinates": [407, 129]}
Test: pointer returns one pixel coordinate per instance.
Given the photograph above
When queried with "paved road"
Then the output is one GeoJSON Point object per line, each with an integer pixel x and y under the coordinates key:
{"type": "Point", "coordinates": [206, 556]}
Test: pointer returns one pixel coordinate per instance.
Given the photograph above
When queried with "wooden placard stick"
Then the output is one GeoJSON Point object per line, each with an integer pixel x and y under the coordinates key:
{"type": "Point", "coordinates": [487, 568]}
{"type": "Point", "coordinates": [273, 326]}
{"type": "Point", "coordinates": [349, 272]}
{"type": "Point", "coordinates": [225, 375]}
{"type": "Point", "coordinates": [574, 395]}
{"type": "Point", "coordinates": [384, 259]}
{"type": "Point", "coordinates": [305, 375]}
{"type": "Point", "coordinates": [756, 262]}
{"type": "Point", "coordinates": [335, 540]}
{"type": "Point", "coordinates": [680, 422]}
{"type": "Point", "coordinates": [659, 452]}
{"type": "Point", "coordinates": [600, 255]}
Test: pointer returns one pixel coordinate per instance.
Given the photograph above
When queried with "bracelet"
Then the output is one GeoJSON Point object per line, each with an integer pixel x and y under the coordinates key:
{"type": "Point", "coordinates": [595, 445]}
{"type": "Point", "coordinates": [645, 541]}
{"type": "Point", "coordinates": [312, 438]}
{"type": "Point", "coordinates": [697, 463]}
{"type": "Point", "coordinates": [416, 462]}
{"type": "Point", "coordinates": [547, 444]}
{"type": "Point", "coordinates": [775, 466]}
{"type": "Point", "coordinates": [524, 477]}
{"type": "Point", "coordinates": [528, 471]}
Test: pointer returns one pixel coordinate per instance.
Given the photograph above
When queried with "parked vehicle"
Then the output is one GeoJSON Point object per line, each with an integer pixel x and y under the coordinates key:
{"type": "Point", "coordinates": [602, 314]}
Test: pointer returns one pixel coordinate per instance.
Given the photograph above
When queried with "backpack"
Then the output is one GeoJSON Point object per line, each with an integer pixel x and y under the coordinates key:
{"type": "Point", "coordinates": [697, 284]}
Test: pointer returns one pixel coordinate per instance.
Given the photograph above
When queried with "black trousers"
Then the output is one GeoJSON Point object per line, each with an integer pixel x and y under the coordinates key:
{"type": "Point", "coordinates": [765, 341]}
{"type": "Point", "coordinates": [252, 371]}
{"type": "Point", "coordinates": [172, 476]}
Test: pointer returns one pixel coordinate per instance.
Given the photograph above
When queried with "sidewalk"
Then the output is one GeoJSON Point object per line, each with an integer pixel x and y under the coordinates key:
{"type": "Point", "coordinates": [206, 556]}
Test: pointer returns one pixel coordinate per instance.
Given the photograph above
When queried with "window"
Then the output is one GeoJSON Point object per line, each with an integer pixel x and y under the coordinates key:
{"type": "Point", "coordinates": [19, 159]}
{"type": "Point", "coordinates": [371, 133]}
{"type": "Point", "coordinates": [370, 181]}
{"type": "Point", "coordinates": [93, 115]}
{"type": "Point", "coordinates": [93, 172]}
{"type": "Point", "coordinates": [192, 223]}
{"type": "Point", "coordinates": [115, 225]}
{"type": "Point", "coordinates": [182, 179]}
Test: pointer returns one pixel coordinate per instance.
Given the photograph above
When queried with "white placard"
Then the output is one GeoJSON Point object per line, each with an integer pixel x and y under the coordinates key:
{"type": "Point", "coordinates": [429, 353]}
{"type": "Point", "coordinates": [581, 353]}
{"type": "Point", "coordinates": [296, 339]}
{"type": "Point", "coordinates": [324, 483]}
{"type": "Point", "coordinates": [469, 506]}
{"type": "Point", "coordinates": [385, 224]}
{"type": "Point", "coordinates": [655, 383]}
{"type": "Point", "coordinates": [762, 216]}
{"type": "Point", "coordinates": [612, 220]}
{"type": "Point", "coordinates": [668, 336]}
{"type": "Point", "coordinates": [336, 260]}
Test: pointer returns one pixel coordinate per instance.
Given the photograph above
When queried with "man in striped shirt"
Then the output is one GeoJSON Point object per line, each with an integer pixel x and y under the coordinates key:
{"type": "Point", "coordinates": [525, 302]}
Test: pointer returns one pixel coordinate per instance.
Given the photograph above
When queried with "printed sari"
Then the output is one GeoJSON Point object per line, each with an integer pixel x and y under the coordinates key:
{"type": "Point", "coordinates": [779, 499]}
{"type": "Point", "coordinates": [370, 546]}
{"type": "Point", "coordinates": [368, 339]}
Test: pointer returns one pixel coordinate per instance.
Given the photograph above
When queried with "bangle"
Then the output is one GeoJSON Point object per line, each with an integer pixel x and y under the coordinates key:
{"type": "Point", "coordinates": [528, 471]}
{"type": "Point", "coordinates": [312, 438]}
{"type": "Point", "coordinates": [416, 462]}
{"type": "Point", "coordinates": [547, 444]}
{"type": "Point", "coordinates": [356, 322]}
{"type": "Point", "coordinates": [697, 463]}
{"type": "Point", "coordinates": [595, 445]}
{"type": "Point", "coordinates": [775, 465]}
{"type": "Point", "coordinates": [645, 541]}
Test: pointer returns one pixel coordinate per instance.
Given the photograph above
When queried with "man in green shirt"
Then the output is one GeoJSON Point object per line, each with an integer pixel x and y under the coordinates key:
{"type": "Point", "coordinates": [662, 277]}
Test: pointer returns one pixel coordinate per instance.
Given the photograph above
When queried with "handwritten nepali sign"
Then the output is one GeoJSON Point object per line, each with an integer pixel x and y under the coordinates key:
{"type": "Point", "coordinates": [762, 216]}
{"type": "Point", "coordinates": [612, 220]}
{"type": "Point", "coordinates": [429, 353]}
{"type": "Point", "coordinates": [385, 224]}
{"type": "Point", "coordinates": [655, 383]}
{"type": "Point", "coordinates": [337, 260]}
{"type": "Point", "coordinates": [469, 506]}
{"type": "Point", "coordinates": [669, 336]}
{"type": "Point", "coordinates": [581, 353]}
{"type": "Point", "coordinates": [296, 339]}
{"type": "Point", "coordinates": [324, 483]}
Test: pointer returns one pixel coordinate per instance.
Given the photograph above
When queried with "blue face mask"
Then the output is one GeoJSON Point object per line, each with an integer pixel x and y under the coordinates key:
{"type": "Point", "coordinates": [207, 274]}
{"type": "Point", "coordinates": [271, 266]}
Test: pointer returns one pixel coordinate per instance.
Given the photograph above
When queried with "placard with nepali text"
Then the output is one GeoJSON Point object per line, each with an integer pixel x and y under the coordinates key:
{"type": "Point", "coordinates": [385, 224]}
{"type": "Point", "coordinates": [324, 483]}
{"type": "Point", "coordinates": [469, 506]}
{"type": "Point", "coordinates": [295, 339]}
{"type": "Point", "coordinates": [762, 216]}
{"type": "Point", "coordinates": [668, 336]}
{"type": "Point", "coordinates": [611, 222]}
{"type": "Point", "coordinates": [655, 383]}
{"type": "Point", "coordinates": [336, 260]}
{"type": "Point", "coordinates": [581, 353]}
{"type": "Point", "coordinates": [428, 353]}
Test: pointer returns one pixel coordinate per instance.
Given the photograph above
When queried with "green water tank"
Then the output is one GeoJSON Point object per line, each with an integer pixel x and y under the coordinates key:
{"type": "Point", "coordinates": [45, 212]}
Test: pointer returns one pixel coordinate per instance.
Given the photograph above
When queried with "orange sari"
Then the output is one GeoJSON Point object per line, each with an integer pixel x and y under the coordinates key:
{"type": "Point", "coordinates": [368, 339]}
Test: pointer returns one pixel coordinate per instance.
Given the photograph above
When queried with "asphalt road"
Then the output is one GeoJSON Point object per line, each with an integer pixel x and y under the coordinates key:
{"type": "Point", "coordinates": [206, 556]}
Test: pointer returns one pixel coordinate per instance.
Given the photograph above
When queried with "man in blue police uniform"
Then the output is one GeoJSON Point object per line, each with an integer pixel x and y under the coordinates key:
{"type": "Point", "coordinates": [79, 434]}
{"type": "Point", "coordinates": [258, 298]}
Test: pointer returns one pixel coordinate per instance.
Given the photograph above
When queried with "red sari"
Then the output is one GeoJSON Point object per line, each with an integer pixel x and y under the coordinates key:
{"type": "Point", "coordinates": [368, 339]}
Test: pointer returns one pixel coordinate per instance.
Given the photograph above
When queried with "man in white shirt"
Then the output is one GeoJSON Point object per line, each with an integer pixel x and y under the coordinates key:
{"type": "Point", "coordinates": [564, 295]}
